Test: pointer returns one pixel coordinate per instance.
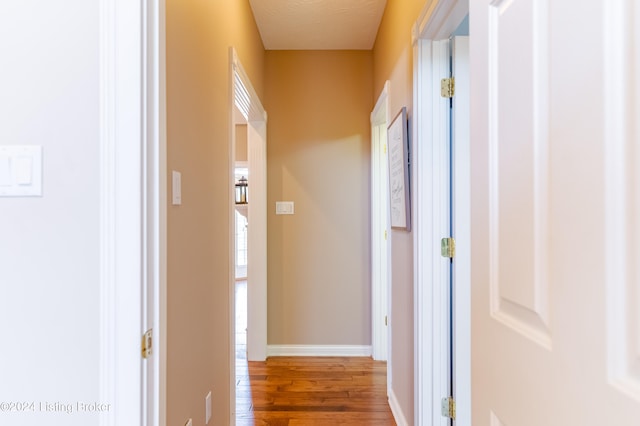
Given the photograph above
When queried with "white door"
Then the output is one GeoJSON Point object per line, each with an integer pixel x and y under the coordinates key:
{"type": "Point", "coordinates": [555, 212]}
{"type": "Point", "coordinates": [380, 231]}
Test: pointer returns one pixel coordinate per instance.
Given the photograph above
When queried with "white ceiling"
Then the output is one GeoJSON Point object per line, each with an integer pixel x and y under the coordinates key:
{"type": "Point", "coordinates": [318, 24]}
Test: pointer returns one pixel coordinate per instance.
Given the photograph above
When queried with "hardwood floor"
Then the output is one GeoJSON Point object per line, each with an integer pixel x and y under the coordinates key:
{"type": "Point", "coordinates": [294, 391]}
{"type": "Point", "coordinates": [308, 391]}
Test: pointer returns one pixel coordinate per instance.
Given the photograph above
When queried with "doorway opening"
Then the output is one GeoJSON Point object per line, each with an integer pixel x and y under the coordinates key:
{"type": "Point", "coordinates": [246, 112]}
{"type": "Point", "coordinates": [442, 199]}
{"type": "Point", "coordinates": [380, 232]}
{"type": "Point", "coordinates": [241, 239]}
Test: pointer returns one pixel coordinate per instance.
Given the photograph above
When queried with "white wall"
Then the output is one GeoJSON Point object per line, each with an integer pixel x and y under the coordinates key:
{"type": "Point", "coordinates": [49, 256]}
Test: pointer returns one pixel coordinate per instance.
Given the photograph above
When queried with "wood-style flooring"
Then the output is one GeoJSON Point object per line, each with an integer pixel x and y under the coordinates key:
{"type": "Point", "coordinates": [296, 391]}
{"type": "Point", "coordinates": [309, 391]}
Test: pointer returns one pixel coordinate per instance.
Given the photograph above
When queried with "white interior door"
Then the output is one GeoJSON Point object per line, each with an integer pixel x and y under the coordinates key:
{"type": "Point", "coordinates": [380, 231]}
{"type": "Point", "coordinates": [555, 213]}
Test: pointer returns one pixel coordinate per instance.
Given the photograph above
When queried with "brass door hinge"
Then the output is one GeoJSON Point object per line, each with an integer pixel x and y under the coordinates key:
{"type": "Point", "coordinates": [447, 87]}
{"type": "Point", "coordinates": [386, 320]}
{"type": "Point", "coordinates": [448, 407]}
{"type": "Point", "coordinates": [385, 235]}
{"type": "Point", "coordinates": [448, 247]}
{"type": "Point", "coordinates": [147, 343]}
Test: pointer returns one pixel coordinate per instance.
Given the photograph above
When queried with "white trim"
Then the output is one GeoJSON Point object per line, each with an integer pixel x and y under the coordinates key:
{"type": "Point", "coordinates": [242, 88]}
{"type": "Point", "coordinates": [319, 350]}
{"type": "Point", "coordinates": [155, 186]}
{"type": "Point", "coordinates": [161, 296]}
{"type": "Point", "coordinates": [243, 97]}
{"type": "Point", "coordinates": [122, 267]}
{"type": "Point", "coordinates": [107, 215]}
{"type": "Point", "coordinates": [257, 242]}
{"type": "Point", "coordinates": [437, 21]}
{"type": "Point", "coordinates": [380, 113]}
{"type": "Point", "coordinates": [431, 271]}
{"type": "Point", "coordinates": [398, 414]}
{"type": "Point", "coordinates": [423, 358]}
{"type": "Point", "coordinates": [462, 229]}
{"type": "Point", "coordinates": [380, 247]}
{"type": "Point", "coordinates": [232, 242]}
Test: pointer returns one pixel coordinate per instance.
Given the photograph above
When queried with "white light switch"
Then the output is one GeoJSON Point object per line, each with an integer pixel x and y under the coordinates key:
{"type": "Point", "coordinates": [20, 171]}
{"type": "Point", "coordinates": [5, 170]}
{"type": "Point", "coordinates": [284, 207]}
{"type": "Point", "coordinates": [176, 188]}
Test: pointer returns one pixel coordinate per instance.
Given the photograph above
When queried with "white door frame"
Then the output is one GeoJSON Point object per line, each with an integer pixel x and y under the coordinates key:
{"type": "Point", "coordinates": [462, 229]}
{"type": "Point", "coordinates": [132, 210]}
{"type": "Point", "coordinates": [437, 21]}
{"type": "Point", "coordinates": [257, 241]}
{"type": "Point", "coordinates": [243, 96]}
{"type": "Point", "coordinates": [380, 232]}
{"type": "Point", "coordinates": [155, 155]}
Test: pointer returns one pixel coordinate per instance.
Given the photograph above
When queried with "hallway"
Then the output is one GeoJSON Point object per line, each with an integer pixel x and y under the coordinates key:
{"type": "Point", "coordinates": [307, 391]}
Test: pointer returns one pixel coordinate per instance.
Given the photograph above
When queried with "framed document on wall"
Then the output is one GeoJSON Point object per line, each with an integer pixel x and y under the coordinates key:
{"type": "Point", "coordinates": [399, 194]}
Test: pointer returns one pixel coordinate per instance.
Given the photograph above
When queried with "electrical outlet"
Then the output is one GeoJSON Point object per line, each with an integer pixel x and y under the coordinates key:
{"type": "Point", "coordinates": [207, 408]}
{"type": "Point", "coordinates": [189, 423]}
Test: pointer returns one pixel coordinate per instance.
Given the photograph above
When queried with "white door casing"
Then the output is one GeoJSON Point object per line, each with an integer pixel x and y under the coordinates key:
{"type": "Point", "coordinates": [555, 197]}
{"type": "Point", "coordinates": [462, 231]}
{"type": "Point", "coordinates": [380, 230]}
{"type": "Point", "coordinates": [257, 242]}
{"type": "Point", "coordinates": [133, 210]}
{"type": "Point", "coordinates": [431, 199]}
{"type": "Point", "coordinates": [243, 96]}
{"type": "Point", "coordinates": [155, 204]}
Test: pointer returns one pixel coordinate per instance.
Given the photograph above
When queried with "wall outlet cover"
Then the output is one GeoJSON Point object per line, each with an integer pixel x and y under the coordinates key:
{"type": "Point", "coordinates": [284, 207]}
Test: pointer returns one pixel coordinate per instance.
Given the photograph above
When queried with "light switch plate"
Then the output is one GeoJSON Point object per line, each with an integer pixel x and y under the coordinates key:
{"type": "Point", "coordinates": [20, 171]}
{"type": "Point", "coordinates": [176, 188]}
{"type": "Point", "coordinates": [284, 207]}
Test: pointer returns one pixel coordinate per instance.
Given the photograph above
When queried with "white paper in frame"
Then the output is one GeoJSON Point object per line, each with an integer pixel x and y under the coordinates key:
{"type": "Point", "coordinates": [399, 194]}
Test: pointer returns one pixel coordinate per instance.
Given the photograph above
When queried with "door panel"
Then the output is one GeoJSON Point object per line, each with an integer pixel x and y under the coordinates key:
{"type": "Point", "coordinates": [623, 191]}
{"type": "Point", "coordinates": [624, 270]}
{"type": "Point", "coordinates": [555, 213]}
{"type": "Point", "coordinates": [380, 230]}
{"type": "Point", "coordinates": [518, 149]}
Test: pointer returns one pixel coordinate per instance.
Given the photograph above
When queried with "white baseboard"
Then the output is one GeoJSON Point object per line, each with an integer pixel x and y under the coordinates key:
{"type": "Point", "coordinates": [318, 350]}
{"type": "Point", "coordinates": [398, 415]}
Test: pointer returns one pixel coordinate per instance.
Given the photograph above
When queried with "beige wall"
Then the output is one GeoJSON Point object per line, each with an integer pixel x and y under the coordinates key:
{"type": "Point", "coordinates": [241, 143]}
{"type": "Point", "coordinates": [393, 60]}
{"type": "Point", "coordinates": [198, 38]}
{"type": "Point", "coordinates": [318, 156]}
